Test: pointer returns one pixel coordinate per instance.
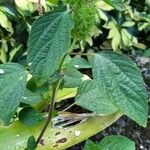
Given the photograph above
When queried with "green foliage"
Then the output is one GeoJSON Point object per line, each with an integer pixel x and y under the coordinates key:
{"type": "Point", "coordinates": [31, 144]}
{"type": "Point", "coordinates": [13, 79]}
{"type": "Point", "coordinates": [60, 52]}
{"type": "Point", "coordinates": [116, 78]}
{"type": "Point", "coordinates": [31, 98]}
{"type": "Point", "coordinates": [114, 142]}
{"type": "Point", "coordinates": [84, 18]}
{"type": "Point", "coordinates": [51, 33]}
{"type": "Point", "coordinates": [117, 4]}
{"type": "Point", "coordinates": [30, 116]}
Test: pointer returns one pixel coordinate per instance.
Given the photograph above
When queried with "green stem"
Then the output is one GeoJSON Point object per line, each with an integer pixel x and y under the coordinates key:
{"type": "Point", "coordinates": [50, 111]}
{"type": "Point", "coordinates": [70, 49]}
{"type": "Point", "coordinates": [55, 88]}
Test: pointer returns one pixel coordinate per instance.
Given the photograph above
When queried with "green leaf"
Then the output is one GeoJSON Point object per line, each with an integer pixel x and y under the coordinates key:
{"type": "Point", "coordinates": [116, 143]}
{"type": "Point", "coordinates": [16, 136]}
{"type": "Point", "coordinates": [30, 116]}
{"type": "Point", "coordinates": [4, 22]}
{"type": "Point", "coordinates": [14, 52]}
{"type": "Point", "coordinates": [89, 96]}
{"type": "Point", "coordinates": [72, 77]}
{"type": "Point", "coordinates": [117, 4]}
{"type": "Point", "coordinates": [111, 142]}
{"type": "Point", "coordinates": [128, 24]}
{"type": "Point", "coordinates": [3, 55]}
{"type": "Point", "coordinates": [13, 78]}
{"type": "Point", "coordinates": [53, 1]}
{"type": "Point", "coordinates": [31, 98]}
{"type": "Point", "coordinates": [117, 85]}
{"type": "Point", "coordinates": [90, 145]}
{"type": "Point", "coordinates": [79, 63]}
{"type": "Point", "coordinates": [31, 144]}
{"type": "Point", "coordinates": [115, 35]}
{"type": "Point", "coordinates": [48, 42]}
{"type": "Point", "coordinates": [147, 53]}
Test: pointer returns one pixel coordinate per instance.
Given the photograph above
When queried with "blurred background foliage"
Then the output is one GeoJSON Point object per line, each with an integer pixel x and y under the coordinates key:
{"type": "Point", "coordinates": [98, 26]}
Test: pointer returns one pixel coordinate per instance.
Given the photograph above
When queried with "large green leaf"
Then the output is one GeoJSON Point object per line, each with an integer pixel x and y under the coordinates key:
{"type": "Point", "coordinates": [15, 136]}
{"type": "Point", "coordinates": [48, 42]}
{"type": "Point", "coordinates": [113, 142]}
{"type": "Point", "coordinates": [117, 85]}
{"type": "Point", "coordinates": [89, 96]}
{"type": "Point", "coordinates": [13, 78]}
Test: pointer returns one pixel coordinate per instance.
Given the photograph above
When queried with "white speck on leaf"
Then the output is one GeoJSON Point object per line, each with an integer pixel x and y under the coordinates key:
{"type": "Point", "coordinates": [21, 78]}
{"type": "Point", "coordinates": [24, 98]}
{"type": "Point", "coordinates": [30, 64]}
{"type": "Point", "coordinates": [77, 133]}
{"type": "Point", "coordinates": [2, 71]}
{"type": "Point", "coordinates": [76, 66]}
{"type": "Point", "coordinates": [17, 135]}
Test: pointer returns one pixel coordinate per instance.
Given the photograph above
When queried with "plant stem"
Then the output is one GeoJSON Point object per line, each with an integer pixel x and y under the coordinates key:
{"type": "Point", "coordinates": [40, 9]}
{"type": "Point", "coordinates": [55, 88]}
{"type": "Point", "coordinates": [68, 107]}
{"type": "Point", "coordinates": [50, 111]}
{"type": "Point", "coordinates": [70, 49]}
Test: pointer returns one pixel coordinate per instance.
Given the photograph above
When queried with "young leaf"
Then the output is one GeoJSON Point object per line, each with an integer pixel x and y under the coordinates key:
{"type": "Point", "coordinates": [111, 143]}
{"type": "Point", "coordinates": [31, 144]}
{"type": "Point", "coordinates": [117, 85]}
{"type": "Point", "coordinates": [116, 143]}
{"type": "Point", "coordinates": [48, 42]}
{"type": "Point", "coordinates": [30, 116]}
{"type": "Point", "coordinates": [13, 78]}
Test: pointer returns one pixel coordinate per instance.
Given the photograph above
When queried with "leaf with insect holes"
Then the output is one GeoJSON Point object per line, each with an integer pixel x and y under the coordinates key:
{"type": "Point", "coordinates": [13, 79]}
{"type": "Point", "coordinates": [48, 42]}
{"type": "Point", "coordinates": [117, 85]}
